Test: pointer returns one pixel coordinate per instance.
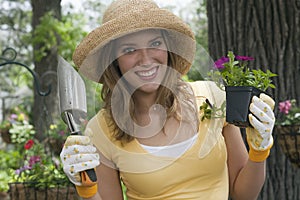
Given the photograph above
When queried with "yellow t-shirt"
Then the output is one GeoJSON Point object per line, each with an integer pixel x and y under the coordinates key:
{"type": "Point", "coordinates": [199, 173]}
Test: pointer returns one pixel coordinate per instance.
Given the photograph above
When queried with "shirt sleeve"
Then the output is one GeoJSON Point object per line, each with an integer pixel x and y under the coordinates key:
{"type": "Point", "coordinates": [100, 135]}
{"type": "Point", "coordinates": [210, 129]}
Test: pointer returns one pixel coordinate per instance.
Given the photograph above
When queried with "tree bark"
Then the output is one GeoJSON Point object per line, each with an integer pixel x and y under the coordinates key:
{"type": "Point", "coordinates": [45, 107]}
{"type": "Point", "coordinates": [269, 31]}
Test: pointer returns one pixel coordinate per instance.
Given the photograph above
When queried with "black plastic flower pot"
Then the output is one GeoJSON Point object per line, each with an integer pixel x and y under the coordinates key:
{"type": "Point", "coordinates": [238, 99]}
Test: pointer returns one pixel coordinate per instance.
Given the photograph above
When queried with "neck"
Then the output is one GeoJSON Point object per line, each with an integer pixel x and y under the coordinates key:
{"type": "Point", "coordinates": [143, 102]}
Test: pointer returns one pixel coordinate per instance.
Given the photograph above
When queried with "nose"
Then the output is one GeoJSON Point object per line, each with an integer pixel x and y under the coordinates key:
{"type": "Point", "coordinates": [145, 57]}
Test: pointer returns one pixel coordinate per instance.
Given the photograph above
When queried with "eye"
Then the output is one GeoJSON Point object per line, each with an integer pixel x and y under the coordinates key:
{"type": "Point", "coordinates": [156, 43]}
{"type": "Point", "coordinates": [128, 50]}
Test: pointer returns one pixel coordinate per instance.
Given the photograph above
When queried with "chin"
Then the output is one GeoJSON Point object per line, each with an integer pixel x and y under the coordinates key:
{"type": "Point", "coordinates": [149, 88]}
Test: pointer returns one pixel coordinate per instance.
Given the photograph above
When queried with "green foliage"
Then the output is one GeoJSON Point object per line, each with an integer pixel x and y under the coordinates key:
{"type": "Point", "coordinates": [8, 160]}
{"type": "Point", "coordinates": [29, 160]}
{"type": "Point", "coordinates": [262, 79]}
{"type": "Point", "coordinates": [15, 18]}
{"type": "Point", "coordinates": [52, 33]}
{"type": "Point", "coordinates": [4, 180]}
{"type": "Point", "coordinates": [35, 165]}
{"type": "Point", "coordinates": [21, 132]}
{"type": "Point", "coordinates": [209, 111]}
{"type": "Point", "coordinates": [42, 174]}
{"type": "Point", "coordinates": [58, 131]}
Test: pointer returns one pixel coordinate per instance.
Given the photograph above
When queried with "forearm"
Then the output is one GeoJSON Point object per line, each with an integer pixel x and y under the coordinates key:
{"type": "Point", "coordinates": [249, 181]}
{"type": "Point", "coordinates": [95, 197]}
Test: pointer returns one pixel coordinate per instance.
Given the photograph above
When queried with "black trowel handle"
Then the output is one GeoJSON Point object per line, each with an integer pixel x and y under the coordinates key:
{"type": "Point", "coordinates": [88, 177]}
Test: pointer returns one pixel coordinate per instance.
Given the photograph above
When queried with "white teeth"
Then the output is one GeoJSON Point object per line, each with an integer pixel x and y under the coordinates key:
{"type": "Point", "coordinates": [147, 73]}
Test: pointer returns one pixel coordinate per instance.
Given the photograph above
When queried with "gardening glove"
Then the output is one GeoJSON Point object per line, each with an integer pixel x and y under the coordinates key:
{"type": "Point", "coordinates": [77, 156]}
{"type": "Point", "coordinates": [262, 119]}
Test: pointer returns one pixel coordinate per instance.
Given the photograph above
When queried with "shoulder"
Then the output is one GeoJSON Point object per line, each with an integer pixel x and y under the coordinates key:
{"type": "Point", "coordinates": [208, 90]}
{"type": "Point", "coordinates": [101, 134]}
{"type": "Point", "coordinates": [199, 86]}
{"type": "Point", "coordinates": [99, 125]}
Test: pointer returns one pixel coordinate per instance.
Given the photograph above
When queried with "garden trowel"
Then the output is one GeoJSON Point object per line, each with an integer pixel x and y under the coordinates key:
{"type": "Point", "coordinates": [73, 109]}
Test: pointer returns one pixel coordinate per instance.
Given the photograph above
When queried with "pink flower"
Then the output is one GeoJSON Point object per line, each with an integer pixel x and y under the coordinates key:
{"type": "Point", "coordinates": [61, 133]}
{"type": "Point", "coordinates": [285, 106]}
{"type": "Point", "coordinates": [33, 160]}
{"type": "Point", "coordinates": [219, 64]}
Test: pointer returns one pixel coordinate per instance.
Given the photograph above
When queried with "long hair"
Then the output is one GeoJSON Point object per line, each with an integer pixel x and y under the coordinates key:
{"type": "Point", "coordinates": [174, 95]}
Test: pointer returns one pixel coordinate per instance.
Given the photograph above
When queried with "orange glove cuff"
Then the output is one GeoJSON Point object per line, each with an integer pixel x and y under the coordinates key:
{"type": "Point", "coordinates": [259, 156]}
{"type": "Point", "coordinates": [87, 191]}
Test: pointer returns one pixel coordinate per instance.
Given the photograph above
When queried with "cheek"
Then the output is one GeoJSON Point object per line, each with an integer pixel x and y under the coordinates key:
{"type": "Point", "coordinates": [125, 64]}
{"type": "Point", "coordinates": [163, 57]}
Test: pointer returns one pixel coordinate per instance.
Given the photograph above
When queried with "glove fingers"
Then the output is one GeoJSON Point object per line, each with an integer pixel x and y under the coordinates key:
{"type": "Point", "coordinates": [267, 99]}
{"type": "Point", "coordinates": [256, 123]}
{"type": "Point", "coordinates": [76, 149]}
{"type": "Point", "coordinates": [266, 142]}
{"type": "Point", "coordinates": [257, 140]}
{"type": "Point", "coordinates": [261, 110]}
{"type": "Point", "coordinates": [79, 167]}
{"type": "Point", "coordinates": [74, 177]}
{"type": "Point", "coordinates": [68, 151]}
{"type": "Point", "coordinates": [77, 139]}
{"type": "Point", "coordinates": [79, 158]}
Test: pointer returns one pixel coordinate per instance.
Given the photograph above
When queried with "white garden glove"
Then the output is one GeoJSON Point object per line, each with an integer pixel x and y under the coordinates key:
{"type": "Point", "coordinates": [77, 156]}
{"type": "Point", "coordinates": [262, 119]}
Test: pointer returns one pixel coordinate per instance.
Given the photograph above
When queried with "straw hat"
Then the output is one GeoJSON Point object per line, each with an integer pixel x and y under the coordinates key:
{"type": "Point", "coordinates": [127, 16]}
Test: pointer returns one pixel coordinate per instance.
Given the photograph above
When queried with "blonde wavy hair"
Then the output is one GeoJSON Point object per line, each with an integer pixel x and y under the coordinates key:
{"type": "Point", "coordinates": [173, 94]}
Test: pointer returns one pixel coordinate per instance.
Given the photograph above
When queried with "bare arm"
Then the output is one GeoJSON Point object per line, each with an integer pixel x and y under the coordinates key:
{"type": "Point", "coordinates": [246, 178]}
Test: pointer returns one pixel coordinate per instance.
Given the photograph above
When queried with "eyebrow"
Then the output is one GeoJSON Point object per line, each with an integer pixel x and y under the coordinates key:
{"type": "Point", "coordinates": [158, 37]}
{"type": "Point", "coordinates": [134, 44]}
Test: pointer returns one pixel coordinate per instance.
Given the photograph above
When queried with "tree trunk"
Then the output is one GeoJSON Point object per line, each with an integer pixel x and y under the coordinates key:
{"type": "Point", "coordinates": [269, 31]}
{"type": "Point", "coordinates": [45, 107]}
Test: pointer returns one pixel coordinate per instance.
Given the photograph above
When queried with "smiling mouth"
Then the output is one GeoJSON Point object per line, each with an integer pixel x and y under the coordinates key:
{"type": "Point", "coordinates": [148, 74]}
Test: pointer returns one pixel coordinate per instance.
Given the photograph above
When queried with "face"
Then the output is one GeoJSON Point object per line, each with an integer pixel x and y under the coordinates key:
{"type": "Point", "coordinates": [142, 59]}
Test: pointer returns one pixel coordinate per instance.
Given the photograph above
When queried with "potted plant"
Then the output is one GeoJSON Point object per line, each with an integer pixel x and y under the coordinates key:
{"type": "Point", "coordinates": [241, 84]}
{"type": "Point", "coordinates": [288, 130]}
{"type": "Point", "coordinates": [39, 176]}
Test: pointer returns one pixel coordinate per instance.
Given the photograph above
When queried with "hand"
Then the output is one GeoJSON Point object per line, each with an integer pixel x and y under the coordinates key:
{"type": "Point", "coordinates": [262, 120]}
{"type": "Point", "coordinates": [77, 156]}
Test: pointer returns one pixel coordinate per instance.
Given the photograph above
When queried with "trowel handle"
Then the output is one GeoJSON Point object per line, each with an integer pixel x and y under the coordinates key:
{"type": "Point", "coordinates": [88, 177]}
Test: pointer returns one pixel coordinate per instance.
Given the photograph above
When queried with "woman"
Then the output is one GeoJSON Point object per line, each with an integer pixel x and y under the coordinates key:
{"type": "Point", "coordinates": [148, 134]}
